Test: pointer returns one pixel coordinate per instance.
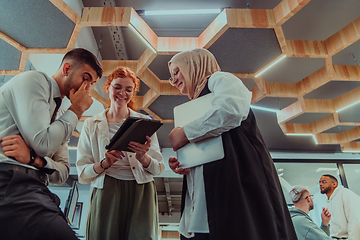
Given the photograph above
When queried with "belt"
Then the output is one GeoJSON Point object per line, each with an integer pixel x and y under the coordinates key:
{"type": "Point", "coordinates": [32, 172]}
{"type": "Point", "coordinates": [338, 238]}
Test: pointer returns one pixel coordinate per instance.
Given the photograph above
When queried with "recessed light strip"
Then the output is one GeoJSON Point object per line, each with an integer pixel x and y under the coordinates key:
{"type": "Point", "coordinates": [141, 37]}
{"type": "Point", "coordinates": [181, 12]}
{"type": "Point", "coordinates": [264, 109]}
{"type": "Point", "coordinates": [348, 106]}
{"type": "Point", "coordinates": [299, 134]}
{"type": "Point", "coordinates": [271, 65]}
{"type": "Point", "coordinates": [303, 134]}
{"type": "Point", "coordinates": [351, 151]}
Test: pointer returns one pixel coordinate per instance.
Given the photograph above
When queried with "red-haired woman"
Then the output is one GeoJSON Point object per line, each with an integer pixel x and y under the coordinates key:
{"type": "Point", "coordinates": [123, 200]}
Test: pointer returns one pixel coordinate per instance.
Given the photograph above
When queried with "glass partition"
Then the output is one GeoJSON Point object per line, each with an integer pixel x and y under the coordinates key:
{"type": "Point", "coordinates": [352, 173]}
{"type": "Point", "coordinates": [308, 175]}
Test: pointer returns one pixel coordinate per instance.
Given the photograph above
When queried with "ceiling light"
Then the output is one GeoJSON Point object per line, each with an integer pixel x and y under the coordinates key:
{"type": "Point", "coordinates": [264, 109]}
{"type": "Point", "coordinates": [141, 37]}
{"type": "Point", "coordinates": [299, 134]}
{"type": "Point", "coordinates": [316, 142]}
{"type": "Point", "coordinates": [268, 67]}
{"type": "Point", "coordinates": [181, 12]}
{"type": "Point", "coordinates": [348, 106]}
{"type": "Point", "coordinates": [326, 169]}
{"type": "Point", "coordinates": [303, 134]}
{"type": "Point", "coordinates": [351, 151]}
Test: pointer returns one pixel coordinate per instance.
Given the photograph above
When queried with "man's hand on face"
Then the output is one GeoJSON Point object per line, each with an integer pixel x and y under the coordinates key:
{"type": "Point", "coordinates": [81, 99]}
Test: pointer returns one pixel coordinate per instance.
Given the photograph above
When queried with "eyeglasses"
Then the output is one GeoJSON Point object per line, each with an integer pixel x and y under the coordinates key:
{"type": "Point", "coordinates": [120, 89]}
{"type": "Point", "coordinates": [174, 73]}
{"type": "Point", "coordinates": [312, 196]}
{"type": "Point", "coordinates": [323, 182]}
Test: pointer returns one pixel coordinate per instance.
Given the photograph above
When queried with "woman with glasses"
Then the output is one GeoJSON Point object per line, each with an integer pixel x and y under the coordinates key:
{"type": "Point", "coordinates": [123, 200]}
{"type": "Point", "coordinates": [239, 196]}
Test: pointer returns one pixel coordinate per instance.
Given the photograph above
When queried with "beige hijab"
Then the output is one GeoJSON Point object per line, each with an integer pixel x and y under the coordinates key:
{"type": "Point", "coordinates": [196, 65]}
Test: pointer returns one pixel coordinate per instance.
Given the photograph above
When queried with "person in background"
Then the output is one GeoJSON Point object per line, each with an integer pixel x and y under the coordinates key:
{"type": "Point", "coordinates": [344, 206]}
{"type": "Point", "coordinates": [34, 145]}
{"type": "Point", "coordinates": [123, 202]}
{"type": "Point", "coordinates": [305, 227]}
{"type": "Point", "coordinates": [239, 196]}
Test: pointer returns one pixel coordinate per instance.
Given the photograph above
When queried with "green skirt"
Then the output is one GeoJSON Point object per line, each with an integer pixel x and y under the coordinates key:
{"type": "Point", "coordinates": [123, 210]}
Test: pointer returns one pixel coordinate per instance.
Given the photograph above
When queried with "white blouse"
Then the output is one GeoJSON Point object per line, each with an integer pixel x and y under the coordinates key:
{"type": "Point", "coordinates": [231, 105]}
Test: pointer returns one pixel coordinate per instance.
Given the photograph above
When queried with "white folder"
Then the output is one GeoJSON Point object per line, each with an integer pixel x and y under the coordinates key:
{"type": "Point", "coordinates": [204, 151]}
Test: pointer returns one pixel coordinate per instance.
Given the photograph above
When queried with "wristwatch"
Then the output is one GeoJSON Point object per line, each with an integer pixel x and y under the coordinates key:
{"type": "Point", "coordinates": [32, 157]}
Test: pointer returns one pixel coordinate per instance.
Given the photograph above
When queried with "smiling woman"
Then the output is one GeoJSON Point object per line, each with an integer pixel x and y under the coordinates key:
{"type": "Point", "coordinates": [259, 199]}
{"type": "Point", "coordinates": [121, 180]}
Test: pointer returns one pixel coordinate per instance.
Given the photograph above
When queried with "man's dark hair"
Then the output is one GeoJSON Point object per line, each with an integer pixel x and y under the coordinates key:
{"type": "Point", "coordinates": [79, 56]}
{"type": "Point", "coordinates": [331, 176]}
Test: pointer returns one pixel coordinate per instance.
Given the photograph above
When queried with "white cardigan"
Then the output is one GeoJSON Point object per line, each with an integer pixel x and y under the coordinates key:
{"type": "Point", "coordinates": [91, 149]}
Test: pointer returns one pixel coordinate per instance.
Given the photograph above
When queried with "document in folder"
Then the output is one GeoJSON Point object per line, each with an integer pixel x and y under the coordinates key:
{"type": "Point", "coordinates": [204, 151]}
{"type": "Point", "coordinates": [133, 129]}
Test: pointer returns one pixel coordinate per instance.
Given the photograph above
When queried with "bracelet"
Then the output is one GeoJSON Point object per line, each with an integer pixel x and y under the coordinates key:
{"type": "Point", "coordinates": [104, 168]}
{"type": "Point", "coordinates": [32, 157]}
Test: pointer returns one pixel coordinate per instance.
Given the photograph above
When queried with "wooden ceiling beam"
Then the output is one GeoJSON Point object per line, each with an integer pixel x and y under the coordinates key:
{"type": "Point", "coordinates": [250, 18]}
{"type": "Point", "coordinates": [63, 7]}
{"type": "Point", "coordinates": [46, 50]}
{"type": "Point", "coordinates": [329, 67]}
{"type": "Point", "coordinates": [313, 81]}
{"type": "Point", "coordinates": [306, 49]}
{"type": "Point", "coordinates": [279, 89]}
{"type": "Point", "coordinates": [305, 106]}
{"type": "Point", "coordinates": [214, 30]}
{"type": "Point", "coordinates": [9, 72]}
{"type": "Point", "coordinates": [257, 95]}
{"type": "Point", "coordinates": [143, 29]}
{"type": "Point", "coordinates": [151, 80]}
{"type": "Point", "coordinates": [76, 134]}
{"type": "Point", "coordinates": [173, 45]}
{"type": "Point", "coordinates": [350, 147]}
{"type": "Point", "coordinates": [74, 35]}
{"type": "Point", "coordinates": [325, 123]}
{"type": "Point", "coordinates": [281, 39]}
{"type": "Point", "coordinates": [286, 9]}
{"type": "Point", "coordinates": [167, 89]}
{"type": "Point", "coordinates": [327, 138]}
{"type": "Point", "coordinates": [347, 99]}
{"type": "Point", "coordinates": [100, 98]}
{"type": "Point", "coordinates": [297, 128]}
{"type": "Point", "coordinates": [339, 138]}
{"type": "Point", "coordinates": [111, 65]}
{"type": "Point", "coordinates": [346, 72]}
{"type": "Point", "coordinates": [106, 16]}
{"type": "Point", "coordinates": [290, 112]}
{"type": "Point", "coordinates": [261, 84]}
{"type": "Point", "coordinates": [23, 60]}
{"type": "Point", "coordinates": [144, 61]}
{"type": "Point", "coordinates": [344, 38]}
{"type": "Point", "coordinates": [12, 42]}
{"type": "Point", "coordinates": [319, 106]}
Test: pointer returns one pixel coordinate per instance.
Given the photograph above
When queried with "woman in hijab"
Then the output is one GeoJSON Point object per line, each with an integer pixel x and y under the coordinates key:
{"type": "Point", "coordinates": [239, 196]}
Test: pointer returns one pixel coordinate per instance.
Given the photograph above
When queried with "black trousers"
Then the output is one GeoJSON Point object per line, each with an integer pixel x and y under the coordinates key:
{"type": "Point", "coordinates": [28, 210]}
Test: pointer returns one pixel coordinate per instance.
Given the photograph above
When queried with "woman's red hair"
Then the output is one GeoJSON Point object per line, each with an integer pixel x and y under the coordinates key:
{"type": "Point", "coordinates": [124, 72]}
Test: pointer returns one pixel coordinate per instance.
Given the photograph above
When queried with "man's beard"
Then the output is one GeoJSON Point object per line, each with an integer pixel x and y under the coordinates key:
{"type": "Point", "coordinates": [325, 190]}
{"type": "Point", "coordinates": [311, 207]}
